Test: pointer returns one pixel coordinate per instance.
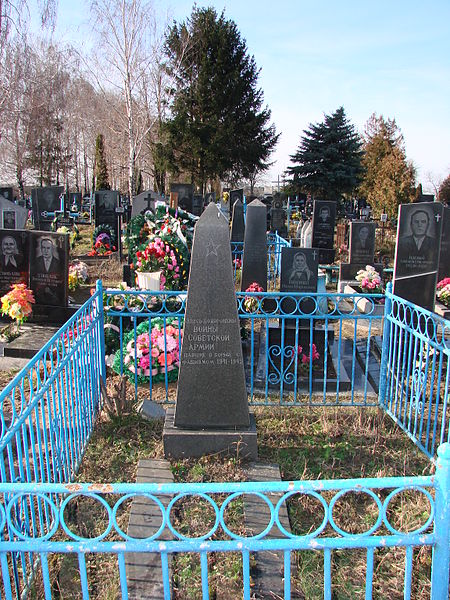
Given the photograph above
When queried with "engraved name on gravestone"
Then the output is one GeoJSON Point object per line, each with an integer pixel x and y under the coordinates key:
{"type": "Point", "coordinates": [211, 386]}
{"type": "Point", "coordinates": [299, 274]}
{"type": "Point", "coordinates": [49, 265]}
{"type": "Point", "coordinates": [254, 260]}
{"type": "Point", "coordinates": [106, 202]}
{"type": "Point", "coordinates": [444, 254]}
{"type": "Point", "coordinates": [197, 205]}
{"type": "Point", "coordinates": [362, 242]}
{"type": "Point", "coordinates": [417, 252]}
{"type": "Point", "coordinates": [45, 201]}
{"type": "Point", "coordinates": [13, 259]}
{"type": "Point", "coordinates": [237, 222]}
{"type": "Point", "coordinates": [278, 216]}
{"type": "Point", "coordinates": [185, 195]}
{"type": "Point", "coordinates": [324, 216]}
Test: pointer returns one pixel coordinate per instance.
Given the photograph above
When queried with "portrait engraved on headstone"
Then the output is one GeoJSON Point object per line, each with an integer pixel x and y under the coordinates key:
{"type": "Point", "coordinates": [444, 254]}
{"type": "Point", "coordinates": [45, 201]}
{"type": "Point", "coordinates": [185, 195]}
{"type": "Point", "coordinates": [9, 219]}
{"type": "Point", "coordinates": [13, 259]}
{"type": "Point", "coordinates": [362, 242]}
{"type": "Point", "coordinates": [106, 202]}
{"type": "Point", "coordinates": [324, 216]}
{"type": "Point", "coordinates": [49, 268]}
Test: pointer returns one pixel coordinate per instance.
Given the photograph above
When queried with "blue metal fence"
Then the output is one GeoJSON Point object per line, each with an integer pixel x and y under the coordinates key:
{"type": "Point", "coordinates": [44, 509]}
{"type": "Point", "coordinates": [415, 380]}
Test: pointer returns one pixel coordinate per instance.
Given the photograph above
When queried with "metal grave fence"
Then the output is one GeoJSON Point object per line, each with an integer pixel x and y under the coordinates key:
{"type": "Point", "coordinates": [47, 414]}
{"type": "Point", "coordinates": [415, 377]}
{"type": "Point", "coordinates": [298, 349]}
{"type": "Point", "coordinates": [39, 521]}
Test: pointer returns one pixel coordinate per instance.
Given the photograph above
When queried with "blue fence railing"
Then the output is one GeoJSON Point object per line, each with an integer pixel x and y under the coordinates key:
{"type": "Point", "coordinates": [415, 381]}
{"type": "Point", "coordinates": [298, 349]}
{"type": "Point", "coordinates": [47, 510]}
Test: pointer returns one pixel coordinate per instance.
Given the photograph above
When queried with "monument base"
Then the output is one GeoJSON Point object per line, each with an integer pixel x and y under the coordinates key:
{"type": "Point", "coordinates": [193, 443]}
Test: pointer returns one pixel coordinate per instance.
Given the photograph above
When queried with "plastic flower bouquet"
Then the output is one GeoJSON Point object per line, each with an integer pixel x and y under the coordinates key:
{"type": "Point", "coordinates": [443, 291]}
{"type": "Point", "coordinates": [17, 304]}
{"type": "Point", "coordinates": [78, 274]}
{"type": "Point", "coordinates": [305, 359]}
{"type": "Point", "coordinates": [251, 303]}
{"type": "Point", "coordinates": [160, 255]}
{"type": "Point", "coordinates": [155, 353]}
{"type": "Point", "coordinates": [369, 280]}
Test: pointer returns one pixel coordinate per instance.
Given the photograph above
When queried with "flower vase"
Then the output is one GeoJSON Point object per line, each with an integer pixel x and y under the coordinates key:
{"type": "Point", "coordinates": [149, 281]}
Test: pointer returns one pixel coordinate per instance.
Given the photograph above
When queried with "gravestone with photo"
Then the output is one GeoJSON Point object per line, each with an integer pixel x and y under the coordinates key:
{"type": "Point", "coordinates": [299, 274]}
{"type": "Point", "coordinates": [185, 195]}
{"type": "Point", "coordinates": [278, 217]}
{"type": "Point", "coordinates": [417, 252]}
{"type": "Point", "coordinates": [7, 193]}
{"type": "Point", "coordinates": [211, 412]}
{"type": "Point", "coordinates": [49, 266]}
{"type": "Point", "coordinates": [45, 201]}
{"type": "Point", "coordinates": [324, 216]}
{"type": "Point", "coordinates": [254, 260]}
{"type": "Point", "coordinates": [237, 222]}
{"type": "Point", "coordinates": [12, 216]}
{"type": "Point", "coordinates": [362, 242]}
{"type": "Point", "coordinates": [106, 202]}
{"type": "Point", "coordinates": [444, 254]}
{"type": "Point", "coordinates": [197, 205]}
{"type": "Point", "coordinates": [13, 259]}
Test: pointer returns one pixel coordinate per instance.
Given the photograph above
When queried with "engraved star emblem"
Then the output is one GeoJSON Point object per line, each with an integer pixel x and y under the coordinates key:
{"type": "Point", "coordinates": [211, 248]}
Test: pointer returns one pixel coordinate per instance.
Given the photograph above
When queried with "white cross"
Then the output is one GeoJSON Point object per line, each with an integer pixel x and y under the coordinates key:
{"type": "Point", "coordinates": [314, 254]}
{"type": "Point", "coordinates": [437, 217]}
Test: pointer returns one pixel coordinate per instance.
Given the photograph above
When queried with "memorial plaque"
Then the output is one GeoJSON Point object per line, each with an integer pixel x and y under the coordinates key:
{"type": "Point", "coordinates": [13, 259]}
{"type": "Point", "coordinates": [211, 386]}
{"type": "Point", "coordinates": [278, 217]}
{"type": "Point", "coordinates": [237, 222]}
{"type": "Point", "coordinates": [12, 215]}
{"type": "Point", "coordinates": [362, 242]}
{"type": "Point", "coordinates": [49, 265]}
{"type": "Point", "coordinates": [45, 201]}
{"type": "Point", "coordinates": [444, 254]}
{"type": "Point", "coordinates": [106, 202]}
{"type": "Point", "coordinates": [417, 252]}
{"type": "Point", "coordinates": [197, 205]}
{"type": "Point", "coordinates": [8, 219]}
{"type": "Point", "coordinates": [185, 195]}
{"type": "Point", "coordinates": [299, 274]}
{"type": "Point", "coordinates": [7, 193]}
{"type": "Point", "coordinates": [142, 203]}
{"type": "Point", "coordinates": [324, 216]}
{"type": "Point", "coordinates": [254, 261]}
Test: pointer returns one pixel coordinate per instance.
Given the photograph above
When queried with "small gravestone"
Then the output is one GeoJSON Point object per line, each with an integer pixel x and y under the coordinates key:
{"type": "Point", "coordinates": [211, 413]}
{"type": "Point", "coordinates": [142, 203]}
{"type": "Point", "coordinates": [417, 252]}
{"type": "Point", "coordinates": [299, 274]}
{"type": "Point", "coordinates": [106, 202]}
{"type": "Point", "coordinates": [197, 205]}
{"type": "Point", "coordinates": [210, 197]}
{"type": "Point", "coordinates": [49, 265]}
{"type": "Point", "coordinates": [7, 193]}
{"type": "Point", "coordinates": [362, 242]}
{"type": "Point", "coordinates": [278, 217]}
{"type": "Point", "coordinates": [185, 195]}
{"type": "Point", "coordinates": [254, 260]}
{"type": "Point", "coordinates": [13, 259]}
{"type": "Point", "coordinates": [348, 271]}
{"type": "Point", "coordinates": [444, 254]}
{"type": "Point", "coordinates": [45, 202]}
{"type": "Point", "coordinates": [237, 222]}
{"type": "Point", "coordinates": [324, 216]}
{"type": "Point", "coordinates": [12, 216]}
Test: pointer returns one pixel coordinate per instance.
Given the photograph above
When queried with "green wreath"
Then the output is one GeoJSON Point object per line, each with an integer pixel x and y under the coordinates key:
{"type": "Point", "coordinates": [109, 230]}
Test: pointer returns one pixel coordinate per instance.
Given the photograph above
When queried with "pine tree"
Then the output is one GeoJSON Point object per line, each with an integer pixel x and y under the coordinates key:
{"type": "Point", "coordinates": [444, 191]}
{"type": "Point", "coordinates": [101, 169]}
{"type": "Point", "coordinates": [327, 163]}
{"type": "Point", "coordinates": [218, 126]}
{"type": "Point", "coordinates": [389, 179]}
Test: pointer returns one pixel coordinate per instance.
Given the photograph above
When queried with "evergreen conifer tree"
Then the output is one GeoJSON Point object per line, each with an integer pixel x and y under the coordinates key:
{"type": "Point", "coordinates": [327, 163]}
{"type": "Point", "coordinates": [101, 169]}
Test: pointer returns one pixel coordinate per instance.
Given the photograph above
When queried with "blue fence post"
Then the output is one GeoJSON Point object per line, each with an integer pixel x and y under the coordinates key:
{"type": "Point", "coordinates": [440, 563]}
{"type": "Point", "coordinates": [385, 346]}
{"type": "Point", "coordinates": [101, 324]}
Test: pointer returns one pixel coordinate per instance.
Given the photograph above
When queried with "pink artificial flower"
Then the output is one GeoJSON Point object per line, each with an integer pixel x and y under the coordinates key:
{"type": "Point", "coordinates": [155, 352]}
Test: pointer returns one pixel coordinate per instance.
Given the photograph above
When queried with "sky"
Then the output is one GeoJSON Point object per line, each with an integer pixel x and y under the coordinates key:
{"type": "Point", "coordinates": [390, 57]}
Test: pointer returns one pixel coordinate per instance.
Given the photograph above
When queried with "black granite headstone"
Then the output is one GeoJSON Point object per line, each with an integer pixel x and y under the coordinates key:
{"type": "Point", "coordinates": [362, 242]}
{"type": "Point", "coordinates": [324, 216]}
{"type": "Point", "coordinates": [299, 274]}
{"type": "Point", "coordinates": [417, 252]}
{"type": "Point", "coordinates": [185, 193]}
{"type": "Point", "coordinates": [237, 222]}
{"type": "Point", "coordinates": [13, 259]}
{"type": "Point", "coordinates": [444, 255]}
{"type": "Point", "coordinates": [106, 202]}
{"type": "Point", "coordinates": [210, 197]}
{"type": "Point", "coordinates": [49, 266]}
{"type": "Point", "coordinates": [278, 217]}
{"type": "Point", "coordinates": [45, 201]}
{"type": "Point", "coordinates": [7, 193]}
{"type": "Point", "coordinates": [348, 271]}
{"type": "Point", "coordinates": [254, 260]}
{"type": "Point", "coordinates": [211, 386]}
{"type": "Point", "coordinates": [197, 205]}
{"type": "Point", "coordinates": [75, 201]}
